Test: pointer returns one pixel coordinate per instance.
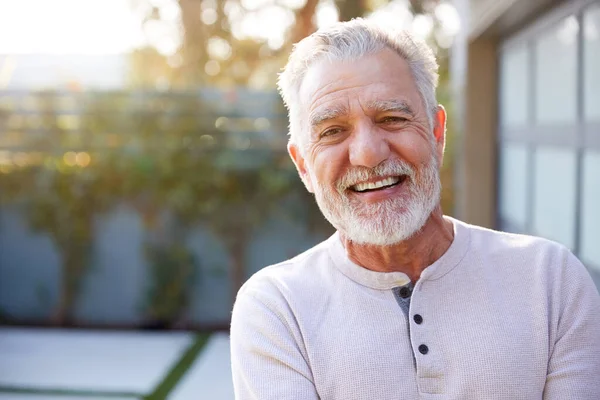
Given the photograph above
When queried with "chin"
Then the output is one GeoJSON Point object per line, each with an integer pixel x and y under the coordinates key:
{"type": "Point", "coordinates": [387, 222]}
{"type": "Point", "coordinates": [386, 231]}
{"type": "Point", "coordinates": [384, 228]}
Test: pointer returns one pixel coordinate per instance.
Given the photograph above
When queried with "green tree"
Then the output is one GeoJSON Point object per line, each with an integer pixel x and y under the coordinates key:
{"type": "Point", "coordinates": [58, 198]}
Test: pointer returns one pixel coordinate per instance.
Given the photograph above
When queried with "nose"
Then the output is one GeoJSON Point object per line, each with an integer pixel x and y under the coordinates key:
{"type": "Point", "coordinates": [368, 147]}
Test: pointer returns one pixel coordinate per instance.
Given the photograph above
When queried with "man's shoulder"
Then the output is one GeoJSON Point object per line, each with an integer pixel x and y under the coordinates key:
{"type": "Point", "coordinates": [493, 238]}
{"type": "Point", "coordinates": [307, 268]}
{"type": "Point", "coordinates": [519, 248]}
{"type": "Point", "coordinates": [525, 259]}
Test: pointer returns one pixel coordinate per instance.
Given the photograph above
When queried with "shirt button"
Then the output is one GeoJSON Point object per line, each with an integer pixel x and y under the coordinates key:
{"type": "Point", "coordinates": [418, 319]}
{"type": "Point", "coordinates": [423, 349]}
{"type": "Point", "coordinates": [404, 292]}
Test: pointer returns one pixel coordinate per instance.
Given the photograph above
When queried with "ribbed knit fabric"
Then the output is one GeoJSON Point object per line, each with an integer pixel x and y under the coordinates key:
{"type": "Point", "coordinates": [502, 316]}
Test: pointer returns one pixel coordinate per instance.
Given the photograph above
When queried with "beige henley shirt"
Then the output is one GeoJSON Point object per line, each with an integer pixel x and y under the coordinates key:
{"type": "Point", "coordinates": [498, 316]}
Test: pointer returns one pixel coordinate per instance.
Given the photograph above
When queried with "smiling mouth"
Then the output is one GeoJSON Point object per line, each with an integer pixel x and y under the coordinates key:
{"type": "Point", "coordinates": [381, 184]}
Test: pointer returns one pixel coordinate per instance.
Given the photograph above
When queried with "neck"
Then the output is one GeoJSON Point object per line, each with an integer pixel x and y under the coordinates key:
{"type": "Point", "coordinates": [410, 256]}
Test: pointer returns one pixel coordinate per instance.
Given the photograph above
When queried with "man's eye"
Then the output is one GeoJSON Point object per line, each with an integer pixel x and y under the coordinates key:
{"type": "Point", "coordinates": [392, 120]}
{"type": "Point", "coordinates": [330, 132]}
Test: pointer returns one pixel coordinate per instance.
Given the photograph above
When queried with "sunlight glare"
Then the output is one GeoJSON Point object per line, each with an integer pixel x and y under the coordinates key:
{"type": "Point", "coordinates": [394, 15]}
{"type": "Point", "coordinates": [212, 68]}
{"type": "Point", "coordinates": [83, 159]}
{"type": "Point", "coordinates": [293, 4]}
{"type": "Point", "coordinates": [70, 158]}
{"type": "Point", "coordinates": [269, 23]}
{"type": "Point", "coordinates": [327, 14]}
{"type": "Point", "coordinates": [162, 35]}
{"type": "Point", "coordinates": [219, 48]}
{"type": "Point", "coordinates": [170, 11]}
{"type": "Point", "coordinates": [68, 27]}
{"type": "Point", "coordinates": [209, 16]}
{"type": "Point", "coordinates": [252, 5]}
{"type": "Point", "coordinates": [422, 25]}
{"type": "Point", "coordinates": [448, 16]}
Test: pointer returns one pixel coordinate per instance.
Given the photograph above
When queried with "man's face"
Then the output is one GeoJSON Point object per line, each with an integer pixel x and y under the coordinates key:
{"type": "Point", "coordinates": [369, 154]}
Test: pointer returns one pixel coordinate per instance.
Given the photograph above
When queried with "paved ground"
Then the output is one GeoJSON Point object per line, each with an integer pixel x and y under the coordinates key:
{"type": "Point", "coordinates": [53, 364]}
{"type": "Point", "coordinates": [210, 375]}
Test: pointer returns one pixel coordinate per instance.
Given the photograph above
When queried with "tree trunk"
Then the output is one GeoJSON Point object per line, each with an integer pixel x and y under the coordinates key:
{"type": "Point", "coordinates": [304, 21]}
{"type": "Point", "coordinates": [194, 40]}
{"type": "Point", "coordinates": [349, 9]}
{"type": "Point", "coordinates": [423, 6]}
{"type": "Point", "coordinates": [72, 274]}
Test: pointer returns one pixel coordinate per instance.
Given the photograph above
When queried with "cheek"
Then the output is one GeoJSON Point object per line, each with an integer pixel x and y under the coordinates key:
{"type": "Point", "coordinates": [328, 163]}
{"type": "Point", "coordinates": [413, 148]}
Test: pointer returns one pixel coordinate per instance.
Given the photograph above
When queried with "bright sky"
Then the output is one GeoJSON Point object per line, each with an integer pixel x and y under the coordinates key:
{"type": "Point", "coordinates": [111, 26]}
{"type": "Point", "coordinates": [68, 26]}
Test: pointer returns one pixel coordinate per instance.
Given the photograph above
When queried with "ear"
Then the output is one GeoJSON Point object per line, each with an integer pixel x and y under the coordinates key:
{"type": "Point", "coordinates": [439, 132]}
{"type": "Point", "coordinates": [300, 164]}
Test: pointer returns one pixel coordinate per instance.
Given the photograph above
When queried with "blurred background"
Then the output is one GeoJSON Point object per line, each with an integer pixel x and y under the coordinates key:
{"type": "Point", "coordinates": [144, 170]}
{"type": "Point", "coordinates": [144, 175]}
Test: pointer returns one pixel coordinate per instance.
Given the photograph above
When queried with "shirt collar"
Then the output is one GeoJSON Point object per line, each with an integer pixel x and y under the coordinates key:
{"type": "Point", "coordinates": [387, 280]}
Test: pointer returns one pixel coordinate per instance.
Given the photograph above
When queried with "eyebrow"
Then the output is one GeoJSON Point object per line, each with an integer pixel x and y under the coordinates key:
{"type": "Point", "coordinates": [319, 117]}
{"type": "Point", "coordinates": [391, 106]}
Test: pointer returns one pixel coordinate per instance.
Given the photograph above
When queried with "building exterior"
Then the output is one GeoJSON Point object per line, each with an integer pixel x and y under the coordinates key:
{"type": "Point", "coordinates": [526, 74]}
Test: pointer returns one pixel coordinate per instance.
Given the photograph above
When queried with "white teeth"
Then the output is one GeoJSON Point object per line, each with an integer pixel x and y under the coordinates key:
{"type": "Point", "coordinates": [376, 185]}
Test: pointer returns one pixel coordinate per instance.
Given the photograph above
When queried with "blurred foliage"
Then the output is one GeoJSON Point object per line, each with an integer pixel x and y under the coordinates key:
{"type": "Point", "coordinates": [209, 45]}
{"type": "Point", "coordinates": [173, 273]}
{"type": "Point", "coordinates": [207, 26]}
{"type": "Point", "coordinates": [161, 154]}
{"type": "Point", "coordinates": [159, 147]}
{"type": "Point", "coordinates": [251, 61]}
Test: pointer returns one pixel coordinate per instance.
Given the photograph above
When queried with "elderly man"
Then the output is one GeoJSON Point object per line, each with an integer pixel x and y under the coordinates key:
{"type": "Point", "coordinates": [402, 302]}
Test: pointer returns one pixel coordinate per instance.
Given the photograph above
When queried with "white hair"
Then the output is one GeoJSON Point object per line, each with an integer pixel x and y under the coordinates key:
{"type": "Point", "coordinates": [347, 41]}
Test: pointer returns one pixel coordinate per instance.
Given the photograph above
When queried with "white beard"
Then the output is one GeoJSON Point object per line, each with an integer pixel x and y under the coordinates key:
{"type": "Point", "coordinates": [390, 221]}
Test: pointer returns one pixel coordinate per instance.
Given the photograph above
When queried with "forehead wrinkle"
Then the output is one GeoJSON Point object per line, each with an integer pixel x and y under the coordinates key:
{"type": "Point", "coordinates": [320, 116]}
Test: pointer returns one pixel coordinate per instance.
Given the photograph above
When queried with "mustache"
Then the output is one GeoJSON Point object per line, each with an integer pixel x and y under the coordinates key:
{"type": "Point", "coordinates": [388, 168]}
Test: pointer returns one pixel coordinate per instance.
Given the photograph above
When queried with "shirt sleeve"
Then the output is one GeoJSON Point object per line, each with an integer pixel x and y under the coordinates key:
{"type": "Point", "coordinates": [267, 360]}
{"type": "Point", "coordinates": [574, 365]}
